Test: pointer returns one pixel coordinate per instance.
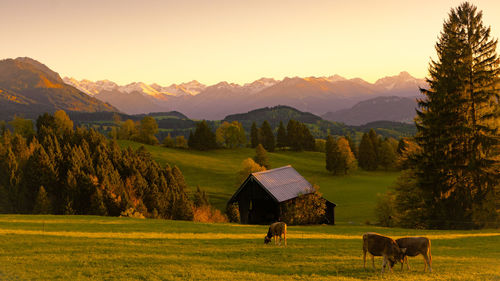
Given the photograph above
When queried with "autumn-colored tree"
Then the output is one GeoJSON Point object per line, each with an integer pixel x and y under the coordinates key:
{"type": "Point", "coordinates": [305, 209]}
{"type": "Point", "coordinates": [23, 127]}
{"type": "Point", "coordinates": [261, 157]}
{"type": "Point", "coordinates": [347, 157]}
{"type": "Point", "coordinates": [248, 166]}
{"type": "Point", "coordinates": [231, 135]}
{"type": "Point", "coordinates": [148, 128]}
{"type": "Point", "coordinates": [168, 141]}
{"type": "Point", "coordinates": [64, 124]}
{"type": "Point", "coordinates": [127, 130]}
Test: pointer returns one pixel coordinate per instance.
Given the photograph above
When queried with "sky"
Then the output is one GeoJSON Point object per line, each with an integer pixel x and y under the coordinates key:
{"type": "Point", "coordinates": [210, 41]}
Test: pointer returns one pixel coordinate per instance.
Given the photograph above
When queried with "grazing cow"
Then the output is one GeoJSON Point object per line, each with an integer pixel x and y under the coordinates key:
{"type": "Point", "coordinates": [276, 230]}
{"type": "Point", "coordinates": [415, 246]}
{"type": "Point", "coordinates": [379, 245]}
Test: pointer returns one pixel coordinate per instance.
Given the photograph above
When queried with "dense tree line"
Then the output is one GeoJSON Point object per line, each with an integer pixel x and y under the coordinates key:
{"type": "Point", "coordinates": [295, 136]}
{"type": "Point", "coordinates": [453, 170]}
{"type": "Point", "coordinates": [62, 170]}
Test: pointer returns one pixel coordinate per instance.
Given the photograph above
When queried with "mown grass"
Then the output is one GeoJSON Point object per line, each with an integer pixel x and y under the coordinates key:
{"type": "Point", "coordinates": [105, 248]}
{"type": "Point", "coordinates": [215, 171]}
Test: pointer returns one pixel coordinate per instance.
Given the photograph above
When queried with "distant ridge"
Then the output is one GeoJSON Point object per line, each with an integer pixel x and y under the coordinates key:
{"type": "Point", "coordinates": [393, 108]}
{"type": "Point", "coordinates": [29, 88]}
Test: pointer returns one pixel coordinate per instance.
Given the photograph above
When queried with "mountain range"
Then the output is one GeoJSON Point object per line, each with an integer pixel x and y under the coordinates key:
{"type": "Point", "coordinates": [30, 88]}
{"type": "Point", "coordinates": [318, 95]}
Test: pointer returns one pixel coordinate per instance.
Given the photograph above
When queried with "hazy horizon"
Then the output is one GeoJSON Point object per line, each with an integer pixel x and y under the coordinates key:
{"type": "Point", "coordinates": [168, 42]}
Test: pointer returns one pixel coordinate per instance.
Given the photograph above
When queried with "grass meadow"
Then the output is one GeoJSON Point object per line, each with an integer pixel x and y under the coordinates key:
{"type": "Point", "coordinates": [215, 171]}
{"type": "Point", "coordinates": [105, 248]}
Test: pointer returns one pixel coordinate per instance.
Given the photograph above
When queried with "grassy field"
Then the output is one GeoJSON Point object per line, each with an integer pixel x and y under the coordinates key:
{"type": "Point", "coordinates": [97, 248]}
{"type": "Point", "coordinates": [215, 171]}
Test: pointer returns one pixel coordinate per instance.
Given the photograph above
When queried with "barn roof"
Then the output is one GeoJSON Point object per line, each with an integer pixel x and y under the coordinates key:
{"type": "Point", "coordinates": [282, 183]}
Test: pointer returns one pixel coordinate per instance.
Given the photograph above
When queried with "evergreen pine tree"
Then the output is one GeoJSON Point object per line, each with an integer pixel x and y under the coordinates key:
{"type": "Point", "coordinates": [387, 155]}
{"type": "Point", "coordinates": [281, 139]}
{"type": "Point", "coordinates": [200, 198]}
{"type": "Point", "coordinates": [293, 135]}
{"type": "Point", "coordinates": [367, 158]}
{"type": "Point", "coordinates": [203, 137]}
{"type": "Point", "coordinates": [376, 143]}
{"type": "Point", "coordinates": [42, 202]}
{"type": "Point", "coordinates": [458, 126]}
{"type": "Point", "coordinates": [267, 136]}
{"type": "Point", "coordinates": [254, 135]}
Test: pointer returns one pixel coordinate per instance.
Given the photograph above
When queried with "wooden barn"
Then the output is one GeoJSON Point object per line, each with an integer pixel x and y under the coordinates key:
{"type": "Point", "coordinates": [262, 194]}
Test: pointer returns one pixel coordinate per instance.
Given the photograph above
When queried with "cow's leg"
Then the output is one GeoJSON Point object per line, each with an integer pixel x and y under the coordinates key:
{"type": "Point", "coordinates": [429, 258]}
{"type": "Point", "coordinates": [364, 259]}
{"type": "Point", "coordinates": [384, 263]}
{"type": "Point", "coordinates": [373, 261]}
{"type": "Point", "coordinates": [407, 263]}
{"type": "Point", "coordinates": [427, 262]}
{"type": "Point", "coordinates": [280, 239]}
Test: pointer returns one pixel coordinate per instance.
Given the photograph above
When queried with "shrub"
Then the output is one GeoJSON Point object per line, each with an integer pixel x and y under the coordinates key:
{"type": "Point", "coordinates": [131, 213]}
{"type": "Point", "coordinates": [207, 213]}
{"type": "Point", "coordinates": [233, 212]}
{"type": "Point", "coordinates": [385, 209]}
{"type": "Point", "coordinates": [305, 209]}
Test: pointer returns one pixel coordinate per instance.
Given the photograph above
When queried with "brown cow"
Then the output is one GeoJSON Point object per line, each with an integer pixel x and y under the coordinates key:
{"type": "Point", "coordinates": [379, 245]}
{"type": "Point", "coordinates": [415, 246]}
{"type": "Point", "coordinates": [276, 230]}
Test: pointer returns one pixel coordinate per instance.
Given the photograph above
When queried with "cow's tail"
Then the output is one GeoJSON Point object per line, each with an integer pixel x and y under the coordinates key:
{"type": "Point", "coordinates": [284, 234]}
{"type": "Point", "coordinates": [429, 252]}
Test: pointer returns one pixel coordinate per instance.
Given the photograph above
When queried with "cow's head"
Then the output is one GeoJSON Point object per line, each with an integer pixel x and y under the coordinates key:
{"type": "Point", "coordinates": [267, 239]}
{"type": "Point", "coordinates": [400, 255]}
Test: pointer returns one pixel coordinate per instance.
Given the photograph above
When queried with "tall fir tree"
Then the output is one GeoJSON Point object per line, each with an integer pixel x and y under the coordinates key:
{"type": "Point", "coordinates": [281, 138]}
{"type": "Point", "coordinates": [254, 135]}
{"type": "Point", "coordinates": [42, 202]}
{"type": "Point", "coordinates": [334, 162]}
{"type": "Point", "coordinates": [367, 159]}
{"type": "Point", "coordinates": [267, 136]}
{"type": "Point", "coordinates": [203, 137]}
{"type": "Point", "coordinates": [458, 126]}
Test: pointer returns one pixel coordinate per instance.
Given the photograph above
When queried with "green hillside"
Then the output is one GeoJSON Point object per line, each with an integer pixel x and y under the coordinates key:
{"type": "Point", "coordinates": [110, 248]}
{"type": "Point", "coordinates": [215, 171]}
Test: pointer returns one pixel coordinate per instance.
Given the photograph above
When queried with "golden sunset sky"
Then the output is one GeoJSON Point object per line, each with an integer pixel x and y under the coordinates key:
{"type": "Point", "coordinates": [236, 41]}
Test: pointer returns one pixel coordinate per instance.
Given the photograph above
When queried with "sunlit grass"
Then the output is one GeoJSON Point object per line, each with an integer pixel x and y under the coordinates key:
{"type": "Point", "coordinates": [105, 248]}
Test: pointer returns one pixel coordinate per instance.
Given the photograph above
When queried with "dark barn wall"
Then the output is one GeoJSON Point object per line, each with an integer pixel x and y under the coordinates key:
{"type": "Point", "coordinates": [256, 206]}
{"type": "Point", "coordinates": [330, 212]}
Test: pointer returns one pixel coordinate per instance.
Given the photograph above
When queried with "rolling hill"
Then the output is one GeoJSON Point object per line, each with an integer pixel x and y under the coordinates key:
{"type": "Point", "coordinates": [30, 88]}
{"type": "Point", "coordinates": [393, 108]}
